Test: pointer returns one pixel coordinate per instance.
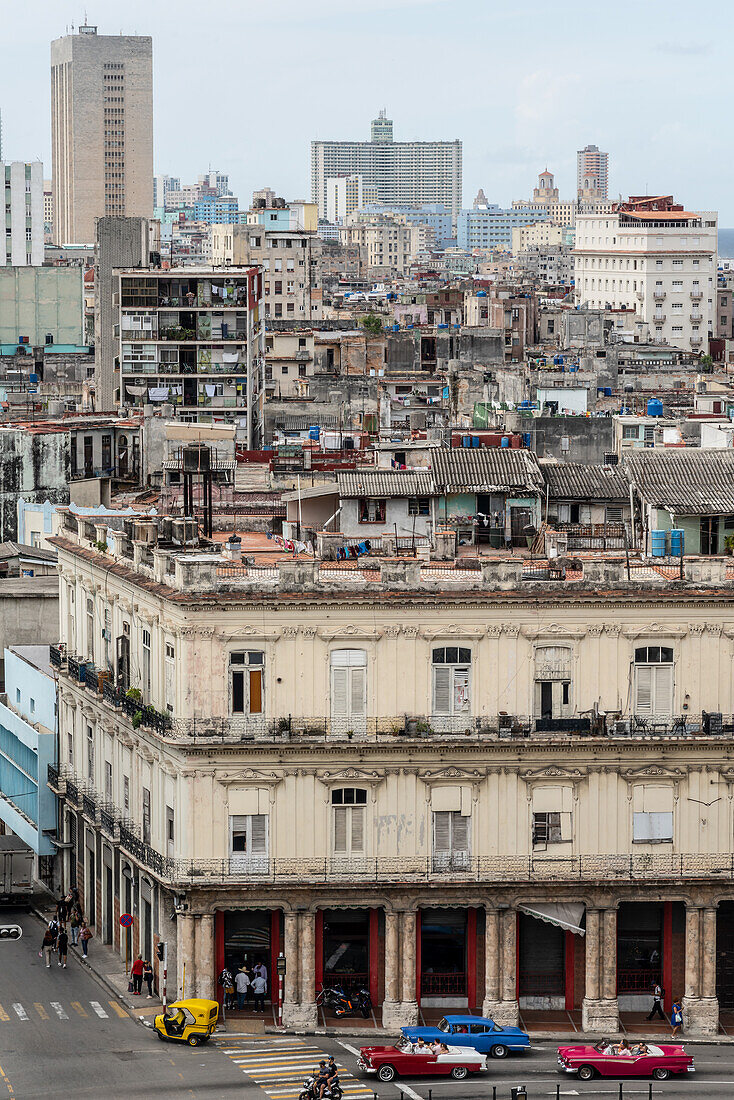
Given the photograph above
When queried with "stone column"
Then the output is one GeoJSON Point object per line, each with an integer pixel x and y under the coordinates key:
{"type": "Point", "coordinates": [408, 976]}
{"type": "Point", "coordinates": [290, 950]}
{"type": "Point", "coordinates": [490, 1005]}
{"type": "Point", "coordinates": [205, 957]}
{"type": "Point", "coordinates": [600, 1009]}
{"type": "Point", "coordinates": [700, 1003]}
{"type": "Point", "coordinates": [391, 1009]}
{"type": "Point", "coordinates": [185, 980]}
{"type": "Point", "coordinates": [300, 1011]}
{"type": "Point", "coordinates": [500, 995]}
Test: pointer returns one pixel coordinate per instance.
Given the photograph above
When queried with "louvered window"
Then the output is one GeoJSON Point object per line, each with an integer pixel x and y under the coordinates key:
{"type": "Point", "coordinates": [349, 806]}
{"type": "Point", "coordinates": [348, 691]}
{"type": "Point", "coordinates": [450, 840]}
{"type": "Point", "coordinates": [451, 680]}
{"type": "Point", "coordinates": [653, 680]}
{"type": "Point", "coordinates": [248, 842]}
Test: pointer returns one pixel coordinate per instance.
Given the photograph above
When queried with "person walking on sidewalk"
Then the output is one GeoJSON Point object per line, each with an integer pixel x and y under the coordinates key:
{"type": "Point", "coordinates": [47, 946]}
{"type": "Point", "coordinates": [136, 973]}
{"type": "Point", "coordinates": [62, 945]}
{"type": "Point", "coordinates": [148, 977]}
{"type": "Point", "coordinates": [657, 1003]}
{"type": "Point", "coordinates": [676, 1018]}
{"type": "Point", "coordinates": [75, 924]}
{"type": "Point", "coordinates": [85, 935]}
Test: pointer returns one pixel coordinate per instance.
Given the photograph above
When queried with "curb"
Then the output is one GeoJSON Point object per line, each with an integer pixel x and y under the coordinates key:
{"type": "Point", "coordinates": [563, 1038]}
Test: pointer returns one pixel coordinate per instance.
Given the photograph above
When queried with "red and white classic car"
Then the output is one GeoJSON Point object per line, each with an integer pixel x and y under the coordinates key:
{"type": "Point", "coordinates": [405, 1059]}
{"type": "Point", "coordinates": [631, 1060]}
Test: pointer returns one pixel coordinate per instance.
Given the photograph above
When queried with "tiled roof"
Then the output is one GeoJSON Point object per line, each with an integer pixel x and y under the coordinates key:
{"type": "Point", "coordinates": [386, 483]}
{"type": "Point", "coordinates": [486, 470]}
{"type": "Point", "coordinates": [688, 481]}
{"type": "Point", "coordinates": [582, 481]}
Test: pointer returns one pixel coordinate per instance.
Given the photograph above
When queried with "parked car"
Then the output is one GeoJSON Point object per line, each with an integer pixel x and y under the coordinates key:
{"type": "Point", "coordinates": [604, 1060]}
{"type": "Point", "coordinates": [479, 1032]}
{"type": "Point", "coordinates": [404, 1060]}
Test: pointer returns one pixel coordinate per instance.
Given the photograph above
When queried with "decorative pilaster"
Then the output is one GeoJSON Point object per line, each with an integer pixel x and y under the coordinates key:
{"type": "Point", "coordinates": [299, 1006]}
{"type": "Point", "coordinates": [205, 983]}
{"type": "Point", "coordinates": [392, 1012]}
{"type": "Point", "coordinates": [700, 1003]}
{"type": "Point", "coordinates": [600, 1009]}
{"type": "Point", "coordinates": [500, 967]}
{"type": "Point", "coordinates": [186, 977]}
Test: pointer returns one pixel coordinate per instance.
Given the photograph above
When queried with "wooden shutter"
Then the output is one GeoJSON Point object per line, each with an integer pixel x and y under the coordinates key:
{"type": "Point", "coordinates": [340, 829]}
{"type": "Point", "coordinates": [460, 833]}
{"type": "Point", "coordinates": [662, 689]}
{"type": "Point", "coordinates": [643, 689]}
{"type": "Point", "coordinates": [357, 692]}
{"type": "Point", "coordinates": [339, 692]}
{"type": "Point", "coordinates": [170, 686]}
{"type": "Point", "coordinates": [238, 828]}
{"type": "Point", "coordinates": [259, 834]}
{"type": "Point", "coordinates": [441, 689]}
{"type": "Point", "coordinates": [357, 829]}
{"type": "Point", "coordinates": [641, 827]}
{"type": "Point", "coordinates": [442, 831]}
{"type": "Point", "coordinates": [256, 690]}
{"type": "Point", "coordinates": [462, 692]}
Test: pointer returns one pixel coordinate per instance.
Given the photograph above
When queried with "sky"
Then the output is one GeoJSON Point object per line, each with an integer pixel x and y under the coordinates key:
{"type": "Point", "coordinates": [244, 87]}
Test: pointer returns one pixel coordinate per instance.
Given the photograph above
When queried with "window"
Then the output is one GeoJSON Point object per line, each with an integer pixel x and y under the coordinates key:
{"type": "Point", "coordinates": [451, 680]}
{"type": "Point", "coordinates": [126, 795]}
{"type": "Point", "coordinates": [348, 813]}
{"type": "Point", "coordinates": [653, 680]}
{"type": "Point", "coordinates": [630, 431]}
{"type": "Point", "coordinates": [348, 690]}
{"type": "Point", "coordinates": [450, 840]}
{"type": "Point", "coordinates": [553, 682]}
{"type": "Point", "coordinates": [90, 629]}
{"type": "Point", "coordinates": [146, 815]}
{"type": "Point", "coordinates": [371, 511]}
{"type": "Point", "coordinates": [419, 506]}
{"type": "Point", "coordinates": [108, 780]}
{"type": "Point", "coordinates": [146, 665]}
{"type": "Point", "coordinates": [248, 842]}
{"type": "Point", "coordinates": [90, 752]}
{"type": "Point", "coordinates": [246, 682]}
{"type": "Point", "coordinates": [551, 828]}
{"type": "Point", "coordinates": [70, 749]}
{"type": "Point", "coordinates": [33, 705]}
{"type": "Point", "coordinates": [652, 828]}
{"type": "Point", "coordinates": [170, 677]}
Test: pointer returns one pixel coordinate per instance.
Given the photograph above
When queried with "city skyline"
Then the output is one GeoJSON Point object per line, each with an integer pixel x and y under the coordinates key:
{"type": "Point", "coordinates": [541, 104]}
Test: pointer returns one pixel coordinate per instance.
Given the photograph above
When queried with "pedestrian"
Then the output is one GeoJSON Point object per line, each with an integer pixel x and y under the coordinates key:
{"type": "Point", "coordinates": [242, 984]}
{"type": "Point", "coordinates": [148, 977]}
{"type": "Point", "coordinates": [62, 911]}
{"type": "Point", "coordinates": [136, 973]}
{"type": "Point", "coordinates": [259, 986]}
{"type": "Point", "coordinates": [676, 1018]}
{"type": "Point", "coordinates": [657, 1003]}
{"type": "Point", "coordinates": [47, 946]}
{"type": "Point", "coordinates": [62, 945]}
{"type": "Point", "coordinates": [262, 970]}
{"type": "Point", "coordinates": [85, 936]}
{"type": "Point", "coordinates": [53, 927]}
{"type": "Point", "coordinates": [75, 924]}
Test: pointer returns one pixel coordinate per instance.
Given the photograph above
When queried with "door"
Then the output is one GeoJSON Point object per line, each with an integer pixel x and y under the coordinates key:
{"type": "Point", "coordinates": [108, 918]}
{"type": "Point", "coordinates": [520, 522]}
{"type": "Point", "coordinates": [190, 393]}
{"type": "Point", "coordinates": [348, 691]}
{"type": "Point", "coordinates": [88, 456]}
{"type": "Point", "coordinates": [709, 534]}
{"type": "Point", "coordinates": [546, 699]}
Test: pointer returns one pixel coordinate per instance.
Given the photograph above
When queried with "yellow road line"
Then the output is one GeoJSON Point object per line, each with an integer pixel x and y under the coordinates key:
{"type": "Point", "coordinates": [3, 1015]}
{"type": "Point", "coordinates": [40, 1010]}
{"type": "Point", "coordinates": [78, 1008]}
{"type": "Point", "coordinates": [117, 1008]}
{"type": "Point", "coordinates": [5, 1079]}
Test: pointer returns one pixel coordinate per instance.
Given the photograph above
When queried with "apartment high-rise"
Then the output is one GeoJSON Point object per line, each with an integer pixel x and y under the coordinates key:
{"type": "Point", "coordinates": [101, 130]}
{"type": "Point", "coordinates": [23, 190]}
{"type": "Point", "coordinates": [405, 172]}
{"type": "Point", "coordinates": [592, 172]}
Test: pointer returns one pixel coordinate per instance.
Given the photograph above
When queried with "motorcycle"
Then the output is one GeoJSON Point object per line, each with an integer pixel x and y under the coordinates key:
{"type": "Point", "coordinates": [336, 999]}
{"type": "Point", "coordinates": [310, 1092]}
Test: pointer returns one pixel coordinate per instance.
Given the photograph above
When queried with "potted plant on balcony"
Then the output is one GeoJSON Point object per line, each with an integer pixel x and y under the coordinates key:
{"type": "Point", "coordinates": [729, 545]}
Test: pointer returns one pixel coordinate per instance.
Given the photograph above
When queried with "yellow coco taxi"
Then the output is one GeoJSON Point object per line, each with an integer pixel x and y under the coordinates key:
{"type": "Point", "coordinates": [191, 1021]}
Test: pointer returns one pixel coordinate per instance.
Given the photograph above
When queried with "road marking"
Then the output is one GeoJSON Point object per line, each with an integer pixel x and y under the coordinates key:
{"type": "Point", "coordinates": [352, 1050]}
{"type": "Point", "coordinates": [407, 1091]}
{"type": "Point", "coordinates": [117, 1008]}
{"type": "Point", "coordinates": [99, 1010]}
{"type": "Point", "coordinates": [19, 1011]}
{"type": "Point", "coordinates": [5, 1079]}
{"type": "Point", "coordinates": [40, 1010]}
{"type": "Point", "coordinates": [78, 1008]}
{"type": "Point", "coordinates": [3, 1015]}
{"type": "Point", "coordinates": [59, 1010]}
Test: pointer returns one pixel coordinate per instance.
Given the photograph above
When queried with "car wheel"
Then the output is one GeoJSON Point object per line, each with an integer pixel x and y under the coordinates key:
{"type": "Point", "coordinates": [193, 1040]}
{"type": "Point", "coordinates": [459, 1073]}
{"type": "Point", "coordinates": [660, 1073]}
{"type": "Point", "coordinates": [586, 1073]}
{"type": "Point", "coordinates": [386, 1073]}
{"type": "Point", "coordinates": [499, 1050]}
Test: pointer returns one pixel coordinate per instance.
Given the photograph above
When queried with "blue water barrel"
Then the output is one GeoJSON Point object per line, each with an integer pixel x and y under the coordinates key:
{"type": "Point", "coordinates": [314, 431]}
{"type": "Point", "coordinates": [505, 441]}
{"type": "Point", "coordinates": [475, 441]}
{"type": "Point", "coordinates": [654, 407]}
{"type": "Point", "coordinates": [527, 438]}
{"type": "Point", "coordinates": [658, 543]}
{"type": "Point", "coordinates": [677, 542]}
{"type": "Point", "coordinates": [466, 441]}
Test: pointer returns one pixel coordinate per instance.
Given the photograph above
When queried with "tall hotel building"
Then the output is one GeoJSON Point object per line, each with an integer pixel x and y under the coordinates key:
{"type": "Point", "coordinates": [101, 130]}
{"type": "Point", "coordinates": [410, 173]}
{"type": "Point", "coordinates": [592, 173]}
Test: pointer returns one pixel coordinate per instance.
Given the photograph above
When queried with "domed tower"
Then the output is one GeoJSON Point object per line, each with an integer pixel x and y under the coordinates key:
{"type": "Point", "coordinates": [545, 191]}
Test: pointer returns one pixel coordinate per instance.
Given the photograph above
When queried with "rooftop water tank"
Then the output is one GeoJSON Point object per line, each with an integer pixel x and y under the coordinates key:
{"type": "Point", "coordinates": [654, 407]}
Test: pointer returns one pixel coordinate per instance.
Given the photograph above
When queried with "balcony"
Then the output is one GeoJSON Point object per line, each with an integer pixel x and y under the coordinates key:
{"type": "Point", "coordinates": [696, 295]}
{"type": "Point", "coordinates": [658, 318]}
{"type": "Point", "coordinates": [77, 668]}
{"type": "Point", "coordinates": [57, 656]}
{"type": "Point", "coordinates": [696, 317]}
{"type": "Point", "coordinates": [89, 805]}
{"type": "Point", "coordinates": [144, 852]}
{"type": "Point", "coordinates": [659, 295]}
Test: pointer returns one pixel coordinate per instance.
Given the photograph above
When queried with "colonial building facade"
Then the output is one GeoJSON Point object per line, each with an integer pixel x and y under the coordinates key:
{"type": "Point", "coordinates": [464, 789]}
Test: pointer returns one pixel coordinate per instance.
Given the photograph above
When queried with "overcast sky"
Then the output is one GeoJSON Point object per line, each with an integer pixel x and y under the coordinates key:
{"type": "Point", "coordinates": [244, 86]}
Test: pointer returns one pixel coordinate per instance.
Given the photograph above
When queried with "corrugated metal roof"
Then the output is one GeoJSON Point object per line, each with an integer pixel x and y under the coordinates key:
{"type": "Point", "coordinates": [690, 481]}
{"type": "Point", "coordinates": [486, 470]}
{"type": "Point", "coordinates": [290, 423]}
{"type": "Point", "coordinates": [582, 481]}
{"type": "Point", "coordinates": [386, 483]}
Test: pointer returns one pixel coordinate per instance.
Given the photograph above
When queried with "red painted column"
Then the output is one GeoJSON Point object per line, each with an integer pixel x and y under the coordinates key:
{"type": "Point", "coordinates": [319, 949]}
{"type": "Point", "coordinates": [570, 960]}
{"type": "Point", "coordinates": [373, 957]}
{"type": "Point", "coordinates": [274, 952]}
{"type": "Point", "coordinates": [668, 955]}
{"type": "Point", "coordinates": [418, 956]}
{"type": "Point", "coordinates": [471, 958]}
{"type": "Point", "coordinates": [218, 952]}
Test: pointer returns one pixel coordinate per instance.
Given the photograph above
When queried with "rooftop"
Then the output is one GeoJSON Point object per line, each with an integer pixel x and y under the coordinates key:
{"type": "Point", "coordinates": [579, 481]}
{"type": "Point", "coordinates": [685, 481]}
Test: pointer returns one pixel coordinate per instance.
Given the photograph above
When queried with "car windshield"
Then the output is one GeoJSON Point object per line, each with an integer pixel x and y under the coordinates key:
{"type": "Point", "coordinates": [443, 1024]}
{"type": "Point", "coordinates": [403, 1044]}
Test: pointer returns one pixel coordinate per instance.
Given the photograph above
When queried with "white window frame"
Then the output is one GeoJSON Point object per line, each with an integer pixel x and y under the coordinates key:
{"type": "Point", "coordinates": [654, 683]}
{"type": "Point", "coordinates": [456, 854]}
{"type": "Point", "coordinates": [652, 827]}
{"type": "Point", "coordinates": [451, 682]}
{"type": "Point", "coordinates": [255, 828]}
{"type": "Point", "coordinates": [348, 691]}
{"type": "Point", "coordinates": [349, 822]}
{"type": "Point", "coordinates": [246, 662]}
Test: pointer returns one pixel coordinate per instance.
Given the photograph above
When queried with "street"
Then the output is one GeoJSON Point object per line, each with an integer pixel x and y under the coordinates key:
{"type": "Point", "coordinates": [63, 1034]}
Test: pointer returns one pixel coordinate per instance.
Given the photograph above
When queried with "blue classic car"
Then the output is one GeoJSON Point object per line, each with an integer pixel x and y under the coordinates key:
{"type": "Point", "coordinates": [472, 1031]}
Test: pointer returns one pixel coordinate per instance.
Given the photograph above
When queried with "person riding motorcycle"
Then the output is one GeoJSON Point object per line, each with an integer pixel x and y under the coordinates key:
{"type": "Point", "coordinates": [322, 1079]}
{"type": "Point", "coordinates": [332, 1072]}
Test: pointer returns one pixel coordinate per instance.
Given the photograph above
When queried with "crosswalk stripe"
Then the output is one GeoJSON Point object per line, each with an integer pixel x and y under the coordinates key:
{"type": "Point", "coordinates": [3, 1015]}
{"type": "Point", "coordinates": [99, 1010]}
{"type": "Point", "coordinates": [19, 1011]}
{"type": "Point", "coordinates": [117, 1008]}
{"type": "Point", "coordinates": [40, 1010]}
{"type": "Point", "coordinates": [59, 1010]}
{"type": "Point", "coordinates": [78, 1008]}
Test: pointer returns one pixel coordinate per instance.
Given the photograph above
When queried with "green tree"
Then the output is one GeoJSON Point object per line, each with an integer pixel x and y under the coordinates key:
{"type": "Point", "coordinates": [371, 324]}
